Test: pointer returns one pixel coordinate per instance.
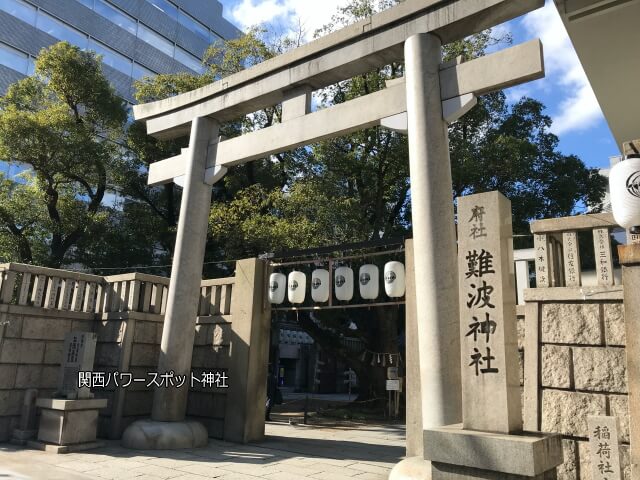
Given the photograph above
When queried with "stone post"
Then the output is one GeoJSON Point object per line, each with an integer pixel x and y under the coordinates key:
{"type": "Point", "coordinates": [412, 370]}
{"type": "Point", "coordinates": [434, 238]}
{"type": "Point", "coordinates": [490, 443]}
{"type": "Point", "coordinates": [490, 382]}
{"type": "Point", "coordinates": [435, 282]}
{"type": "Point", "coordinates": [170, 404]}
{"type": "Point", "coordinates": [247, 394]}
{"type": "Point", "coordinates": [630, 260]}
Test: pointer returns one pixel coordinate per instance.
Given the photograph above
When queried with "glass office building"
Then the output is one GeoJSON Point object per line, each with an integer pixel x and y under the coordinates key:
{"type": "Point", "coordinates": [136, 38]}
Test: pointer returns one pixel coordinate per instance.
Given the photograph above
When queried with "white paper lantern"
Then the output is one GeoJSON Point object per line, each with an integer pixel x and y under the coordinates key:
{"type": "Point", "coordinates": [624, 187]}
{"type": "Point", "coordinates": [320, 285]}
{"type": "Point", "coordinates": [369, 280]}
{"type": "Point", "coordinates": [297, 285]}
{"type": "Point", "coordinates": [394, 279]}
{"type": "Point", "coordinates": [277, 287]}
{"type": "Point", "coordinates": [343, 279]}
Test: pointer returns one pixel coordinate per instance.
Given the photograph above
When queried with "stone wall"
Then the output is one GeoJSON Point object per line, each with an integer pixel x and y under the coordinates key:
{"type": "Point", "coordinates": [31, 341]}
{"type": "Point", "coordinates": [575, 366]}
{"type": "Point", "coordinates": [232, 334]}
{"type": "Point", "coordinates": [130, 342]}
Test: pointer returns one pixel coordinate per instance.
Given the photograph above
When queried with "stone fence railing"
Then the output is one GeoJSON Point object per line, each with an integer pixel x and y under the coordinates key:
{"type": "Point", "coordinates": [135, 292]}
{"type": "Point", "coordinates": [64, 290]}
{"type": "Point", "coordinates": [40, 306]}
{"type": "Point", "coordinates": [557, 252]}
{"type": "Point", "coordinates": [49, 288]}
{"type": "Point", "coordinates": [215, 297]}
{"type": "Point", "coordinates": [574, 339]}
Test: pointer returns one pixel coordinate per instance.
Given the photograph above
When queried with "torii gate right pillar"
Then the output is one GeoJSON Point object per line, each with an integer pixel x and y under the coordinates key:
{"type": "Point", "coordinates": [434, 249]}
{"type": "Point", "coordinates": [434, 238]}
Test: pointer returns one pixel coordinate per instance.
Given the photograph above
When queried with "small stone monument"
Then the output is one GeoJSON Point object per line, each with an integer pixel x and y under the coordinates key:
{"type": "Point", "coordinates": [489, 444]}
{"type": "Point", "coordinates": [79, 352]}
{"type": "Point", "coordinates": [603, 443]}
{"type": "Point", "coordinates": [69, 422]}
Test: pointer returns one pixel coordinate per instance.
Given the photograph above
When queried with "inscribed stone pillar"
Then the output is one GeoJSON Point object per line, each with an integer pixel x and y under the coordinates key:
{"type": "Point", "coordinates": [79, 351]}
{"type": "Point", "coordinates": [603, 445]}
{"type": "Point", "coordinates": [434, 237]}
{"type": "Point", "coordinates": [169, 404]}
{"type": "Point", "coordinates": [489, 346]}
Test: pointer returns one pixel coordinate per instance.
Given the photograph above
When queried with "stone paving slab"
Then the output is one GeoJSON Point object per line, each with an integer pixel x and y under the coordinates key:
{"type": "Point", "coordinates": [290, 452]}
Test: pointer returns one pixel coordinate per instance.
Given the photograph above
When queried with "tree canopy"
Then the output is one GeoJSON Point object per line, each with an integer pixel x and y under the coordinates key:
{"type": "Point", "coordinates": [60, 123]}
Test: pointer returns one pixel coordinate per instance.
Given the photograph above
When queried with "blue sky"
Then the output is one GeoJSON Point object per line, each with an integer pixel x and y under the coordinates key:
{"type": "Point", "coordinates": [565, 91]}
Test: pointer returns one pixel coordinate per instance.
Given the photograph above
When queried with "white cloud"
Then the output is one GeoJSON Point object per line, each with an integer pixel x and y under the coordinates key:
{"type": "Point", "coordinates": [286, 15]}
{"type": "Point", "coordinates": [579, 109]}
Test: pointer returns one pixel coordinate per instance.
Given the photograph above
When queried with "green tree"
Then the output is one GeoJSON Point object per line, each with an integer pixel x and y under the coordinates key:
{"type": "Point", "coordinates": [161, 204]}
{"type": "Point", "coordinates": [510, 148]}
{"type": "Point", "coordinates": [61, 124]}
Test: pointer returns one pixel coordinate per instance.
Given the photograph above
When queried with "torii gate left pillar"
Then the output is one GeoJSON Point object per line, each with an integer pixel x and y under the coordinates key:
{"type": "Point", "coordinates": [167, 428]}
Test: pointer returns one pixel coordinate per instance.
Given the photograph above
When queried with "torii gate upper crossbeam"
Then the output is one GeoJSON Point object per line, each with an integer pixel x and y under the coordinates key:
{"type": "Point", "coordinates": [351, 51]}
{"type": "Point", "coordinates": [478, 76]}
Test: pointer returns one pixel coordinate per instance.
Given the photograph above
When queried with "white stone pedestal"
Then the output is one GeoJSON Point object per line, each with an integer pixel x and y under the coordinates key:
{"type": "Point", "coordinates": [154, 435]}
{"type": "Point", "coordinates": [458, 454]}
{"type": "Point", "coordinates": [68, 425]}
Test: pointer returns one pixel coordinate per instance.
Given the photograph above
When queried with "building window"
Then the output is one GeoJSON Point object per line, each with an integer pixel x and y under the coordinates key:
{"type": "Point", "coordinates": [111, 57]}
{"type": "Point", "coordinates": [189, 60]}
{"type": "Point", "coordinates": [14, 59]}
{"type": "Point", "coordinates": [152, 38]}
{"type": "Point", "coordinates": [116, 16]}
{"type": "Point", "coordinates": [165, 7]}
{"type": "Point", "coordinates": [19, 9]}
{"type": "Point", "coordinates": [139, 71]}
{"type": "Point", "coordinates": [193, 25]}
{"type": "Point", "coordinates": [59, 30]}
{"type": "Point", "coordinates": [214, 37]}
{"type": "Point", "coordinates": [87, 3]}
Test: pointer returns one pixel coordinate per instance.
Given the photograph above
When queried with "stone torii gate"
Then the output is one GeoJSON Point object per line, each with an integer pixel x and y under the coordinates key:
{"type": "Point", "coordinates": [430, 95]}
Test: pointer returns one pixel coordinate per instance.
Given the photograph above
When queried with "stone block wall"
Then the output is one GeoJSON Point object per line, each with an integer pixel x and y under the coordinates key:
{"type": "Point", "coordinates": [580, 370]}
{"type": "Point", "coordinates": [31, 341]}
{"type": "Point", "coordinates": [232, 334]}
{"type": "Point", "coordinates": [130, 342]}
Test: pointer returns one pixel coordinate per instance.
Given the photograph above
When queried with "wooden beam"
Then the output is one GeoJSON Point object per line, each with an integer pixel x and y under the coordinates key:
{"type": "Point", "coordinates": [511, 66]}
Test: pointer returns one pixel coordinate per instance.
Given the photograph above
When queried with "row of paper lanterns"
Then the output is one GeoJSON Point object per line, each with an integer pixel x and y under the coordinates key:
{"type": "Point", "coordinates": [294, 287]}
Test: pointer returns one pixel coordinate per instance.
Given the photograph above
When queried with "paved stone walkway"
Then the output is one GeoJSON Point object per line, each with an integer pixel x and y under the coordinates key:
{"type": "Point", "coordinates": [288, 453]}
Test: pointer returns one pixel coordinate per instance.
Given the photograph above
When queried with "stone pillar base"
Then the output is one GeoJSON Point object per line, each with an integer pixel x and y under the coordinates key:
{"type": "Point", "coordinates": [458, 454]}
{"type": "Point", "coordinates": [412, 468]}
{"type": "Point", "coordinates": [69, 422]}
{"type": "Point", "coordinates": [153, 435]}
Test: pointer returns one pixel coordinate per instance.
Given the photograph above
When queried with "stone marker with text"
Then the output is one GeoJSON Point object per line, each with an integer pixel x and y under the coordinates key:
{"type": "Point", "coordinates": [603, 444]}
{"type": "Point", "coordinates": [489, 345]}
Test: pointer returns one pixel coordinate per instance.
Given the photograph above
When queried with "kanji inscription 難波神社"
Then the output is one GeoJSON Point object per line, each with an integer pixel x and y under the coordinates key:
{"type": "Point", "coordinates": [490, 386]}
